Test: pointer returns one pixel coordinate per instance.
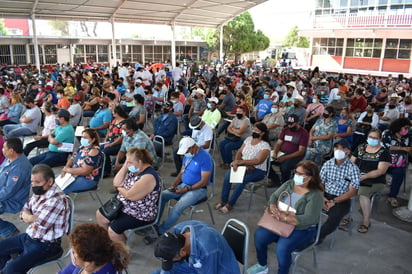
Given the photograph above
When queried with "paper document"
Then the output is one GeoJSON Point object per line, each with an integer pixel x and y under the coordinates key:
{"type": "Point", "coordinates": [283, 207]}
{"type": "Point", "coordinates": [236, 177]}
{"type": "Point", "coordinates": [66, 147]}
{"type": "Point", "coordinates": [79, 131]}
{"type": "Point", "coordinates": [65, 181]}
{"type": "Point", "coordinates": [273, 157]}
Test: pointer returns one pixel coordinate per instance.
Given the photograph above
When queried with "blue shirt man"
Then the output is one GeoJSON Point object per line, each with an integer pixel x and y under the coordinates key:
{"type": "Point", "coordinates": [102, 118]}
{"type": "Point", "coordinates": [15, 174]}
{"type": "Point", "coordinates": [264, 106]}
{"type": "Point", "coordinates": [191, 183]}
{"type": "Point", "coordinates": [166, 124]}
{"type": "Point", "coordinates": [204, 247]}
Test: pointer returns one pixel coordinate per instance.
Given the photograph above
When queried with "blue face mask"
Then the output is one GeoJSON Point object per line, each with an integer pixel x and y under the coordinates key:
{"type": "Point", "coordinates": [133, 169]}
{"type": "Point", "coordinates": [57, 122]}
{"type": "Point", "coordinates": [209, 105]}
{"type": "Point", "coordinates": [189, 155]}
{"type": "Point", "coordinates": [274, 110]}
{"type": "Point", "coordinates": [372, 142]}
{"type": "Point", "coordinates": [84, 142]}
{"type": "Point", "coordinates": [124, 133]}
{"type": "Point", "coordinates": [266, 96]}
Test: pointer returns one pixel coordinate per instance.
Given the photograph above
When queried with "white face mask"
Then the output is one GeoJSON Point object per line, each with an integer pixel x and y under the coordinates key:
{"type": "Point", "coordinates": [298, 179]}
{"type": "Point", "coordinates": [339, 154]}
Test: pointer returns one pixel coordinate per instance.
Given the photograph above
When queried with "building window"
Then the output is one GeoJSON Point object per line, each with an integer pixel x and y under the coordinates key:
{"type": "Point", "coordinates": [79, 54]}
{"type": "Point", "coordinates": [5, 54]}
{"type": "Point", "coordinates": [50, 53]}
{"type": "Point", "coordinates": [363, 47]}
{"type": "Point", "coordinates": [136, 54]}
{"type": "Point", "coordinates": [32, 57]}
{"type": "Point", "coordinates": [19, 54]}
{"type": "Point", "coordinates": [328, 46]}
{"type": "Point", "coordinates": [398, 48]}
{"type": "Point", "coordinates": [103, 53]}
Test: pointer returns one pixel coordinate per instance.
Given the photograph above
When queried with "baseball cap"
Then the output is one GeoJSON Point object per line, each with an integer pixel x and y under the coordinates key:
{"type": "Point", "coordinates": [214, 100]}
{"type": "Point", "coordinates": [195, 121]}
{"type": "Point", "coordinates": [293, 118]}
{"type": "Point", "coordinates": [292, 84]}
{"type": "Point", "coordinates": [343, 142]}
{"type": "Point", "coordinates": [139, 81]}
{"type": "Point", "coordinates": [185, 144]}
{"type": "Point", "coordinates": [64, 114]}
{"type": "Point", "coordinates": [167, 248]}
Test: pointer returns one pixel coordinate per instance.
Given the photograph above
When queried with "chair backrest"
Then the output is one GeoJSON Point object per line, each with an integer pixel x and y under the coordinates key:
{"type": "Point", "coordinates": [159, 146]}
{"type": "Point", "coordinates": [101, 168]}
{"type": "Point", "coordinates": [70, 201]}
{"type": "Point", "coordinates": [159, 202]}
{"type": "Point", "coordinates": [237, 235]}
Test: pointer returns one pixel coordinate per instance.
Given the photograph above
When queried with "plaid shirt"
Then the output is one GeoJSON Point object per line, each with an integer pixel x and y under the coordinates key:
{"type": "Point", "coordinates": [337, 179]}
{"type": "Point", "coordinates": [141, 141]}
{"type": "Point", "coordinates": [54, 213]}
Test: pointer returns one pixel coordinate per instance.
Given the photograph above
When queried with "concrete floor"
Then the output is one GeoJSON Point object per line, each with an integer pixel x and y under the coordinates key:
{"type": "Point", "coordinates": [386, 248]}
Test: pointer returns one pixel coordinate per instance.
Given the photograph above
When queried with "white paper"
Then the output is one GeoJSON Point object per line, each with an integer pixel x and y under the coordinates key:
{"type": "Point", "coordinates": [283, 207]}
{"type": "Point", "coordinates": [79, 131]}
{"type": "Point", "coordinates": [236, 177]}
{"type": "Point", "coordinates": [65, 181]}
{"type": "Point", "coordinates": [66, 147]}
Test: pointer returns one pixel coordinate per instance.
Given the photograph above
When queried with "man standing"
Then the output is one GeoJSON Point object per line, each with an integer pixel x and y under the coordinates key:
{"type": "Point", "coordinates": [195, 247]}
{"type": "Point", "coordinates": [341, 178]}
{"type": "Point", "coordinates": [47, 213]}
{"type": "Point", "coordinates": [191, 183]}
{"type": "Point", "coordinates": [14, 183]}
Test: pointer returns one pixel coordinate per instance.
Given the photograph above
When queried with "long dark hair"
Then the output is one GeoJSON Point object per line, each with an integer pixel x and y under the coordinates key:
{"type": "Point", "coordinates": [262, 127]}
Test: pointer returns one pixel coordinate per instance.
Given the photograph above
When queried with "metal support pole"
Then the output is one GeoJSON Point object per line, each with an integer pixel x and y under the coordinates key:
{"type": "Point", "coordinates": [221, 45]}
{"type": "Point", "coordinates": [35, 43]}
{"type": "Point", "coordinates": [114, 50]}
{"type": "Point", "coordinates": [173, 45]}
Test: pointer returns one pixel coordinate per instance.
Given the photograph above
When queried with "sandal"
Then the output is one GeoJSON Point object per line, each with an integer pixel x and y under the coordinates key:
{"type": "Point", "coordinates": [364, 228]}
{"type": "Point", "coordinates": [345, 221]}
{"type": "Point", "coordinates": [225, 209]}
{"type": "Point", "coordinates": [219, 205]}
{"type": "Point", "coordinates": [393, 202]}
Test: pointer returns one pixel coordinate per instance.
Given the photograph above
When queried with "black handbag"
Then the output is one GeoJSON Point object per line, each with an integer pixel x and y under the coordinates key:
{"type": "Point", "coordinates": [111, 208]}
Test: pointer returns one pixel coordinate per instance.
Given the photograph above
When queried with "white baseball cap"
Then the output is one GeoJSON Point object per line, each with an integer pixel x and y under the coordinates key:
{"type": "Point", "coordinates": [185, 144]}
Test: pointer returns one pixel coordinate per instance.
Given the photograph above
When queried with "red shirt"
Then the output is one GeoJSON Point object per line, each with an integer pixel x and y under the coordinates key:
{"type": "Point", "coordinates": [359, 103]}
{"type": "Point", "coordinates": [293, 139]}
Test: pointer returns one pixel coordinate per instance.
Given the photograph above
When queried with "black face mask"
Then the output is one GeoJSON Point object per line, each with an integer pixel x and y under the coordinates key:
{"type": "Point", "coordinates": [392, 106]}
{"type": "Point", "coordinates": [255, 135]}
{"type": "Point", "coordinates": [289, 95]}
{"type": "Point", "coordinates": [165, 110]}
{"type": "Point", "coordinates": [325, 115]}
{"type": "Point", "coordinates": [239, 115]}
{"type": "Point", "coordinates": [38, 190]}
{"type": "Point", "coordinates": [195, 97]}
{"type": "Point", "coordinates": [296, 105]}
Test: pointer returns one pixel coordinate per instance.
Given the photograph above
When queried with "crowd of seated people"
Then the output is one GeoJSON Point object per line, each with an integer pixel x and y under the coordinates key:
{"type": "Point", "coordinates": [311, 125]}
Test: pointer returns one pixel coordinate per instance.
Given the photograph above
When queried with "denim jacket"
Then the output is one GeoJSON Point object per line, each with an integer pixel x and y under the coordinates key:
{"type": "Point", "coordinates": [209, 252]}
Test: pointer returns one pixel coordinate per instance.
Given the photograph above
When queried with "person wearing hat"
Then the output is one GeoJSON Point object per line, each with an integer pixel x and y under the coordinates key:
{"type": "Point", "coordinates": [390, 114]}
{"type": "Point", "coordinates": [75, 110]}
{"type": "Point", "coordinates": [341, 180]}
{"type": "Point", "coordinates": [190, 185]}
{"type": "Point", "coordinates": [62, 134]}
{"type": "Point", "coordinates": [212, 115]}
{"type": "Point", "coordinates": [138, 88]}
{"type": "Point", "coordinates": [297, 109]}
{"type": "Point", "coordinates": [166, 124]}
{"type": "Point", "coordinates": [102, 118]}
{"type": "Point", "coordinates": [292, 87]}
{"type": "Point", "coordinates": [289, 150]}
{"type": "Point", "coordinates": [29, 121]}
{"type": "Point", "coordinates": [195, 247]}
{"type": "Point", "coordinates": [400, 106]}
{"type": "Point", "coordinates": [197, 108]}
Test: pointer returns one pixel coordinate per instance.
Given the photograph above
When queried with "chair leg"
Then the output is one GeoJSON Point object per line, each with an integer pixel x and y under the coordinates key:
{"type": "Point", "coordinates": [315, 261]}
{"type": "Point", "coordinates": [252, 189]}
{"type": "Point", "coordinates": [211, 213]}
{"type": "Point", "coordinates": [295, 263]}
{"type": "Point", "coordinates": [332, 242]}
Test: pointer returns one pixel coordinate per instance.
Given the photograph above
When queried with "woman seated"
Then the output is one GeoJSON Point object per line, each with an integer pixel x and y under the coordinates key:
{"type": "Point", "coordinates": [345, 126]}
{"type": "Point", "coordinates": [85, 163]}
{"type": "Point", "coordinates": [139, 188]}
{"type": "Point", "coordinates": [237, 132]}
{"type": "Point", "coordinates": [313, 112]}
{"type": "Point", "coordinates": [252, 154]}
{"type": "Point", "coordinates": [139, 111]}
{"type": "Point", "coordinates": [305, 190]}
{"type": "Point", "coordinates": [13, 113]}
{"type": "Point", "coordinates": [321, 136]}
{"type": "Point", "coordinates": [94, 252]}
{"type": "Point", "coordinates": [373, 161]}
{"type": "Point", "coordinates": [366, 121]}
{"type": "Point", "coordinates": [91, 106]}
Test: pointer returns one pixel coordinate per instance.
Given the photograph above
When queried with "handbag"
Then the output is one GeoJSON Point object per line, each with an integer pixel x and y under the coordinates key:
{"type": "Point", "coordinates": [111, 208]}
{"type": "Point", "coordinates": [280, 228]}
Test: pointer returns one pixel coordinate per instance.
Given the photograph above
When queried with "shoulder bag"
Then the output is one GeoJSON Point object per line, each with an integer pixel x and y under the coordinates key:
{"type": "Point", "coordinates": [111, 208]}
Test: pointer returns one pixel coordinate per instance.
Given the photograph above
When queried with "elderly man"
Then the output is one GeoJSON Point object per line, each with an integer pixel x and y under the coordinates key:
{"type": "Point", "coordinates": [189, 249]}
{"type": "Point", "coordinates": [341, 179]}
{"type": "Point", "coordinates": [47, 213]}
{"type": "Point", "coordinates": [14, 183]}
{"type": "Point", "coordinates": [190, 185]}
{"type": "Point", "coordinates": [29, 121]}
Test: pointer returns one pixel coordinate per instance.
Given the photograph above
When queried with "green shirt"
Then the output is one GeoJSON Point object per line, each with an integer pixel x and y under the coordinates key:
{"type": "Point", "coordinates": [62, 135]}
{"type": "Point", "coordinates": [308, 207]}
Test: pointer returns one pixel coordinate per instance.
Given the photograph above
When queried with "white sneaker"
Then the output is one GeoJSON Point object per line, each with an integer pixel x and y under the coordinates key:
{"type": "Point", "coordinates": [258, 269]}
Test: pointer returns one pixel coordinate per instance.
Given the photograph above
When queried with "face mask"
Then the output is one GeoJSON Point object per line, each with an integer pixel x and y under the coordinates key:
{"type": "Point", "coordinates": [209, 105]}
{"type": "Point", "coordinates": [369, 111]}
{"type": "Point", "coordinates": [58, 96]}
{"type": "Point", "coordinates": [298, 179]}
{"type": "Point", "coordinates": [38, 190]}
{"type": "Point", "coordinates": [255, 135]}
{"type": "Point", "coordinates": [174, 101]}
{"type": "Point", "coordinates": [195, 97]}
{"type": "Point", "coordinates": [133, 169]}
{"type": "Point", "coordinates": [165, 110]}
{"type": "Point", "coordinates": [220, 88]}
{"type": "Point", "coordinates": [339, 154]}
{"type": "Point", "coordinates": [372, 142]}
{"type": "Point", "coordinates": [289, 95]}
{"type": "Point", "coordinates": [274, 110]}
{"type": "Point", "coordinates": [84, 142]}
{"type": "Point", "coordinates": [325, 115]}
{"type": "Point", "coordinates": [189, 155]}
{"type": "Point", "coordinates": [239, 115]}
{"type": "Point", "coordinates": [57, 122]}
{"type": "Point", "coordinates": [314, 100]}
{"type": "Point", "coordinates": [303, 93]}
{"type": "Point", "coordinates": [266, 96]}
{"type": "Point", "coordinates": [392, 106]}
{"type": "Point", "coordinates": [124, 133]}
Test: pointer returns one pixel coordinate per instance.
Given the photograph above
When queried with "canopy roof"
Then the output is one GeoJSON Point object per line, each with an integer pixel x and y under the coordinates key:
{"type": "Point", "coordinates": [201, 13]}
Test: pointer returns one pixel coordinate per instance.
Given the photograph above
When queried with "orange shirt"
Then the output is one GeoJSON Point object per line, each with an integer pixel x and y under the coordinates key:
{"type": "Point", "coordinates": [63, 103]}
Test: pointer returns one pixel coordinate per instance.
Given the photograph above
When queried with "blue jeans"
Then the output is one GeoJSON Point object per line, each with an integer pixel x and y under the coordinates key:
{"type": "Point", "coordinates": [284, 246]}
{"type": "Point", "coordinates": [109, 151]}
{"type": "Point", "coordinates": [31, 252]}
{"type": "Point", "coordinates": [88, 113]}
{"type": "Point", "coordinates": [252, 176]}
{"type": "Point", "coordinates": [80, 184]}
{"type": "Point", "coordinates": [184, 201]}
{"type": "Point", "coordinates": [51, 158]}
{"type": "Point", "coordinates": [6, 228]}
{"type": "Point", "coordinates": [17, 130]}
{"type": "Point", "coordinates": [398, 174]}
{"type": "Point", "coordinates": [226, 147]}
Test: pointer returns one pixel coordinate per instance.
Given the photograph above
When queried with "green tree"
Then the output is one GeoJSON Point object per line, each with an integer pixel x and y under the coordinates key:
{"type": "Point", "coordinates": [294, 40]}
{"type": "Point", "coordinates": [62, 26]}
{"type": "Point", "coordinates": [3, 30]}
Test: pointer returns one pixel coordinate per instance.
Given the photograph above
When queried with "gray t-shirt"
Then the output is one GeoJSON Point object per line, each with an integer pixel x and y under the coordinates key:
{"type": "Point", "coordinates": [35, 115]}
{"type": "Point", "coordinates": [198, 105]}
{"type": "Point", "coordinates": [239, 123]}
{"type": "Point", "coordinates": [229, 101]}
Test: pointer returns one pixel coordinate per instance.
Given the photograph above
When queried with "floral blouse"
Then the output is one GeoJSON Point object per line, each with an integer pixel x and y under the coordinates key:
{"type": "Point", "coordinates": [115, 130]}
{"type": "Point", "coordinates": [82, 157]}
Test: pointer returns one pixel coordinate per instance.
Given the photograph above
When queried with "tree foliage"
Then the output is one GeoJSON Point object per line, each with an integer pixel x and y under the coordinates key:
{"type": "Point", "coordinates": [3, 30]}
{"type": "Point", "coordinates": [62, 26]}
{"type": "Point", "coordinates": [294, 40]}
